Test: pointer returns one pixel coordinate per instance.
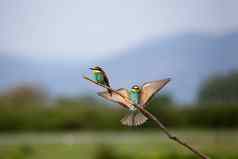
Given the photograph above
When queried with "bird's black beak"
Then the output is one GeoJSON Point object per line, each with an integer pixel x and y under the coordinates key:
{"type": "Point", "coordinates": [91, 68]}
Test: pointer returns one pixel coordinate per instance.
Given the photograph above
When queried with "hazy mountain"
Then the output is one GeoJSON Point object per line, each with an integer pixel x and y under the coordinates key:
{"type": "Point", "coordinates": [58, 77]}
{"type": "Point", "coordinates": [188, 59]}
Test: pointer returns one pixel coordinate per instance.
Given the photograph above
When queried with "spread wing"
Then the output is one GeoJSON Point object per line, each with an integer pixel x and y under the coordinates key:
{"type": "Point", "coordinates": [151, 88]}
{"type": "Point", "coordinates": [117, 98]}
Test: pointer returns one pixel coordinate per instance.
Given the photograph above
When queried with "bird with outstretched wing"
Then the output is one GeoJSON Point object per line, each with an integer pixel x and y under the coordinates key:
{"type": "Point", "coordinates": [137, 95]}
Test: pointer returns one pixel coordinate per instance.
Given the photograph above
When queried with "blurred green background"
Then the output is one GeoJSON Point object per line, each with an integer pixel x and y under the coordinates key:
{"type": "Point", "coordinates": [33, 125]}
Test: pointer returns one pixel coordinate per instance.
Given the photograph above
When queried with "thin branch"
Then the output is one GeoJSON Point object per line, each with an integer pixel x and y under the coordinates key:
{"type": "Point", "coordinates": [156, 120]}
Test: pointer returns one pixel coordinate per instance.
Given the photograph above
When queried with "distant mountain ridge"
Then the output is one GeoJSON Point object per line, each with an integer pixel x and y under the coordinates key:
{"type": "Point", "coordinates": [188, 59]}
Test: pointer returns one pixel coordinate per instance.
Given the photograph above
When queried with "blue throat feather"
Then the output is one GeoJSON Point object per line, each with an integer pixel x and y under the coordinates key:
{"type": "Point", "coordinates": [135, 97]}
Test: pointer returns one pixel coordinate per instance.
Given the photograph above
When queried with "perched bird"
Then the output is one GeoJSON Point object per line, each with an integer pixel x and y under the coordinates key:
{"type": "Point", "coordinates": [137, 95]}
{"type": "Point", "coordinates": [101, 77]}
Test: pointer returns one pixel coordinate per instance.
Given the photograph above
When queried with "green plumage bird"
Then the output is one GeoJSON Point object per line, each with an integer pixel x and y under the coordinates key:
{"type": "Point", "coordinates": [100, 77]}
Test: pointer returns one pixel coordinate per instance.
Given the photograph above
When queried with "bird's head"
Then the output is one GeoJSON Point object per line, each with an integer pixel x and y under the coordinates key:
{"type": "Point", "coordinates": [135, 89]}
{"type": "Point", "coordinates": [96, 69]}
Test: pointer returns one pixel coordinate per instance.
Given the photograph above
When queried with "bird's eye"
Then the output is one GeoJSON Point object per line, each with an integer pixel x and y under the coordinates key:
{"type": "Point", "coordinates": [136, 88]}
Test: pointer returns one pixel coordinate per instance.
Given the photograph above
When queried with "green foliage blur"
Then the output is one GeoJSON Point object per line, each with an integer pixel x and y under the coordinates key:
{"type": "Point", "coordinates": [29, 108]}
{"type": "Point", "coordinates": [26, 110]}
{"type": "Point", "coordinates": [220, 89]}
{"type": "Point", "coordinates": [116, 145]}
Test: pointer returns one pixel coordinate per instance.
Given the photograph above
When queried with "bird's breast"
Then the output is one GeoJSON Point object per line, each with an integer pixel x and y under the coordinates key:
{"type": "Point", "coordinates": [98, 76]}
{"type": "Point", "coordinates": [135, 97]}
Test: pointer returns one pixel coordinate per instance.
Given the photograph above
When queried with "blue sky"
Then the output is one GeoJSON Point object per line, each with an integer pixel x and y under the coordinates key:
{"type": "Point", "coordinates": [92, 30]}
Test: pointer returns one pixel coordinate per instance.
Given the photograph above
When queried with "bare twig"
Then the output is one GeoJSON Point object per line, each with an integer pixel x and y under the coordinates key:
{"type": "Point", "coordinates": [152, 117]}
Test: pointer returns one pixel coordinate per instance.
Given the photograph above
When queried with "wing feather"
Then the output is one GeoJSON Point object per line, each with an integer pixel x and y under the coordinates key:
{"type": "Point", "coordinates": [105, 78]}
{"type": "Point", "coordinates": [151, 88]}
{"type": "Point", "coordinates": [117, 98]}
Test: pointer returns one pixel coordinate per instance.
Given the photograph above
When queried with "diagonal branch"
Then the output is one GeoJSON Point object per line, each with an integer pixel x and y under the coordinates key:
{"type": "Point", "coordinates": [152, 117]}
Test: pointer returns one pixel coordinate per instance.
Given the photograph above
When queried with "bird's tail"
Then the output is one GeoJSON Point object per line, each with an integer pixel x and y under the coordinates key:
{"type": "Point", "coordinates": [109, 91]}
{"type": "Point", "coordinates": [134, 118]}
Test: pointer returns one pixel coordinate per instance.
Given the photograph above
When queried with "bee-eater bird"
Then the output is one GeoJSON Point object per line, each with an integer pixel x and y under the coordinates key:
{"type": "Point", "coordinates": [137, 95]}
{"type": "Point", "coordinates": [101, 77]}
